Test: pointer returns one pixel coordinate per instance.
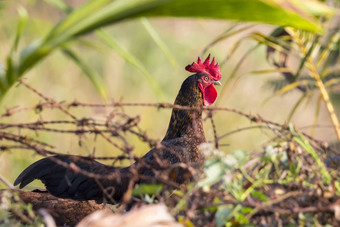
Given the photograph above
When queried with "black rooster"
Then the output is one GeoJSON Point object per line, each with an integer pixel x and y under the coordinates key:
{"type": "Point", "coordinates": [180, 144]}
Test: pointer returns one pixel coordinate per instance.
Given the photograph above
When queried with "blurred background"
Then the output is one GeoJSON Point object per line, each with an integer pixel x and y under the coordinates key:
{"type": "Point", "coordinates": [158, 48]}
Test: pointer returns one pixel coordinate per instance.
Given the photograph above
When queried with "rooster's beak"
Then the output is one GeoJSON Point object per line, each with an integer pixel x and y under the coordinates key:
{"type": "Point", "coordinates": [216, 82]}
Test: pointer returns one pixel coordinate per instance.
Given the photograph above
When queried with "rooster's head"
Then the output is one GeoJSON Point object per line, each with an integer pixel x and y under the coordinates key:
{"type": "Point", "coordinates": [209, 75]}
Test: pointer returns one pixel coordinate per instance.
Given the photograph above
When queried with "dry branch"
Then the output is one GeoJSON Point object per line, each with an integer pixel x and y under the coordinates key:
{"type": "Point", "coordinates": [113, 130]}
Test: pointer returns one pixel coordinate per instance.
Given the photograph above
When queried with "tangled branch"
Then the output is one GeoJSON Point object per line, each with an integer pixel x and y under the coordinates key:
{"type": "Point", "coordinates": [117, 124]}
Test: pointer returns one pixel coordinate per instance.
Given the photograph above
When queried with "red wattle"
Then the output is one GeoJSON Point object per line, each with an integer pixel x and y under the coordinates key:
{"type": "Point", "coordinates": [209, 95]}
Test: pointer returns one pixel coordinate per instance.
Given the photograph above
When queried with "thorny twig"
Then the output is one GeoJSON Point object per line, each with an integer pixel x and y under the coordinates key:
{"type": "Point", "coordinates": [253, 118]}
{"type": "Point", "coordinates": [113, 130]}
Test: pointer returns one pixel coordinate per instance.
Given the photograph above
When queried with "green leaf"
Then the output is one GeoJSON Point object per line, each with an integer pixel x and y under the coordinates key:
{"type": "Point", "coordinates": [303, 142]}
{"type": "Point", "coordinates": [247, 210]}
{"type": "Point", "coordinates": [20, 28]}
{"type": "Point", "coordinates": [158, 40]}
{"type": "Point", "coordinates": [60, 4]}
{"type": "Point", "coordinates": [181, 204]}
{"type": "Point", "coordinates": [215, 170]}
{"type": "Point", "coordinates": [259, 195]}
{"type": "Point", "coordinates": [222, 214]}
{"type": "Point", "coordinates": [290, 87]}
{"type": "Point", "coordinates": [111, 42]}
{"type": "Point", "coordinates": [308, 54]}
{"type": "Point", "coordinates": [337, 186]}
{"type": "Point", "coordinates": [243, 10]}
{"type": "Point", "coordinates": [94, 77]}
{"type": "Point", "coordinates": [232, 75]}
{"type": "Point", "coordinates": [93, 15]}
{"type": "Point", "coordinates": [295, 107]}
{"type": "Point", "coordinates": [317, 112]}
{"type": "Point", "coordinates": [241, 156]}
{"type": "Point", "coordinates": [316, 8]}
{"type": "Point", "coordinates": [151, 189]}
{"type": "Point", "coordinates": [227, 34]}
{"type": "Point", "coordinates": [241, 219]}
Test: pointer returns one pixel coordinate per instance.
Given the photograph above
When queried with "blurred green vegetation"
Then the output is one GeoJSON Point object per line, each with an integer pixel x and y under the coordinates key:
{"type": "Point", "coordinates": [94, 15]}
{"type": "Point", "coordinates": [142, 60]}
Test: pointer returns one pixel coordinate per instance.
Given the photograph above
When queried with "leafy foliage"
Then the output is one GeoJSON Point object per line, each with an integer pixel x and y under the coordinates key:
{"type": "Point", "coordinates": [306, 62]}
{"type": "Point", "coordinates": [97, 14]}
{"type": "Point", "coordinates": [11, 205]}
{"type": "Point", "coordinates": [264, 188]}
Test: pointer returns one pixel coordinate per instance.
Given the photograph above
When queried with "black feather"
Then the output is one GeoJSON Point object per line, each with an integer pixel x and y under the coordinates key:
{"type": "Point", "coordinates": [180, 144]}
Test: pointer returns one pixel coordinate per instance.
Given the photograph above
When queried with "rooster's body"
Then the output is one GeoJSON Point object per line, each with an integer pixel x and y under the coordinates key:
{"type": "Point", "coordinates": [180, 144]}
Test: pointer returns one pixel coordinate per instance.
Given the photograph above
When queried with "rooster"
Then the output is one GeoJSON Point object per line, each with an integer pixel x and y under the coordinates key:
{"type": "Point", "coordinates": [180, 145]}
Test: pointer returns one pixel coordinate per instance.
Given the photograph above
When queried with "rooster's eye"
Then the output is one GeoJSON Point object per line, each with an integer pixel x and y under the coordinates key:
{"type": "Point", "coordinates": [206, 78]}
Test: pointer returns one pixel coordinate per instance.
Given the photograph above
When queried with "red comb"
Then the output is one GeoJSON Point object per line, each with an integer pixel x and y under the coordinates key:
{"type": "Point", "coordinates": [205, 67]}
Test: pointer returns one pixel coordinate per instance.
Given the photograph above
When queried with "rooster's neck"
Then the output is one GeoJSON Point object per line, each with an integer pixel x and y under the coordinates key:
{"type": "Point", "coordinates": [187, 123]}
